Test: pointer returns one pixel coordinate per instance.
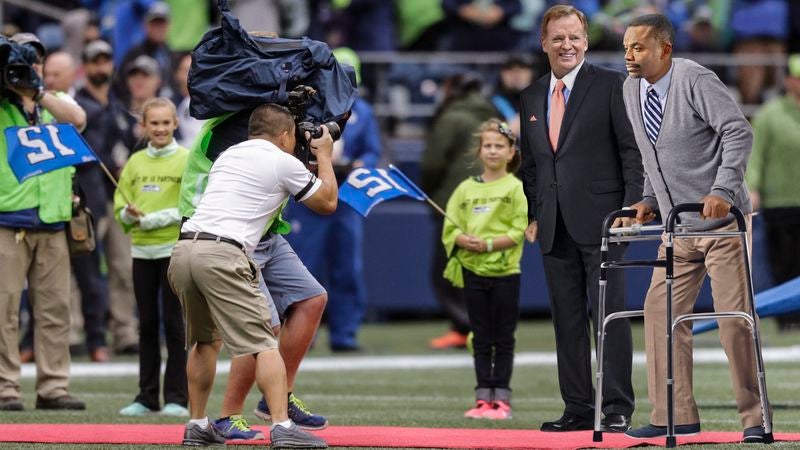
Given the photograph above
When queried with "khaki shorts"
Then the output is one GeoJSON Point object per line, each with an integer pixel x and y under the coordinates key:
{"type": "Point", "coordinates": [217, 285]}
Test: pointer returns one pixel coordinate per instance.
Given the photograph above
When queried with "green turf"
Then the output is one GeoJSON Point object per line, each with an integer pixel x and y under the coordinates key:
{"type": "Point", "coordinates": [438, 397]}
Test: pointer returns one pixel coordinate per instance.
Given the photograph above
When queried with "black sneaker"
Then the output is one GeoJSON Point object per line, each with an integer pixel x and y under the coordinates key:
{"type": "Point", "coordinates": [196, 436]}
{"type": "Point", "coordinates": [65, 402]}
{"type": "Point", "coordinates": [754, 435]}
{"type": "Point", "coordinates": [653, 431]}
{"type": "Point", "coordinates": [11, 404]}
{"type": "Point", "coordinates": [293, 437]}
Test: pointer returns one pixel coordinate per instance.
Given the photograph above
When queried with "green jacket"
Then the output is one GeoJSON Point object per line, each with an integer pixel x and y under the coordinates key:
{"type": "Point", "coordinates": [50, 192]}
{"type": "Point", "coordinates": [775, 160]}
{"type": "Point", "coordinates": [452, 149]}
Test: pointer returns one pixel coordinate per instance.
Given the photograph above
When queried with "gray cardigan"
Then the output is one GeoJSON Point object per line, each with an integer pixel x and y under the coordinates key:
{"type": "Point", "coordinates": [702, 148]}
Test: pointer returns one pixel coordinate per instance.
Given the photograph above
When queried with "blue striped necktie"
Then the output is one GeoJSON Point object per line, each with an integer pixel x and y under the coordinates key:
{"type": "Point", "coordinates": [652, 115]}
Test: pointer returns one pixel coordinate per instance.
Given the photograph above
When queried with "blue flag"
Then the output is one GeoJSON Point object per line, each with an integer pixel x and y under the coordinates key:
{"type": "Point", "coordinates": [365, 188]}
{"type": "Point", "coordinates": [36, 150]}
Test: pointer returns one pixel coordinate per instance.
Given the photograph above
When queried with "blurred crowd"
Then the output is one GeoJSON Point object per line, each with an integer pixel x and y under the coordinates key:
{"type": "Point", "coordinates": [112, 56]}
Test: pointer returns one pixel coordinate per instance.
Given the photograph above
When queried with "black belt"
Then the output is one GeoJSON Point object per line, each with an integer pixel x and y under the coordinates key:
{"type": "Point", "coordinates": [203, 236]}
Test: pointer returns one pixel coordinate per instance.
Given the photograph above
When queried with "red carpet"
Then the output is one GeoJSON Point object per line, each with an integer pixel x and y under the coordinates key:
{"type": "Point", "coordinates": [357, 436]}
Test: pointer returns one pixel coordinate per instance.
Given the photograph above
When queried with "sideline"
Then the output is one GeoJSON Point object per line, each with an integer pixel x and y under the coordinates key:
{"type": "Point", "coordinates": [409, 362]}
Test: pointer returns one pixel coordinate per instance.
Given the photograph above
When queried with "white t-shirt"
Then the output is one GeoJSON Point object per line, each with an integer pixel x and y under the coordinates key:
{"type": "Point", "coordinates": [246, 186]}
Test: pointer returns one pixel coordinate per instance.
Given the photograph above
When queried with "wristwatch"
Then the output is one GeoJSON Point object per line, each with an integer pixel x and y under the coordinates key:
{"type": "Point", "coordinates": [39, 95]}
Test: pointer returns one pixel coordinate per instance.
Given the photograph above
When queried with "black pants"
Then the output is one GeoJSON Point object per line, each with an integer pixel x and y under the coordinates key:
{"type": "Point", "coordinates": [450, 298]}
{"type": "Point", "coordinates": [573, 272]}
{"type": "Point", "coordinates": [150, 280]}
{"type": "Point", "coordinates": [94, 301]}
{"type": "Point", "coordinates": [783, 245]}
{"type": "Point", "coordinates": [493, 306]}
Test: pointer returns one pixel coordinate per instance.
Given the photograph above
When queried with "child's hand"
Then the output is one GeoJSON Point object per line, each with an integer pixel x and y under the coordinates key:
{"type": "Point", "coordinates": [133, 211]}
{"type": "Point", "coordinates": [471, 243]}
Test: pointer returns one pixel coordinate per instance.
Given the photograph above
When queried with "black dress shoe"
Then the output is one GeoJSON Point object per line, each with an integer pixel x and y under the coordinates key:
{"type": "Point", "coordinates": [569, 422]}
{"type": "Point", "coordinates": [615, 423]}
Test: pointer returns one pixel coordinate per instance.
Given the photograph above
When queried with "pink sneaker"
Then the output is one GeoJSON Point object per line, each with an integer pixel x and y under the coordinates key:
{"type": "Point", "coordinates": [479, 411]}
{"type": "Point", "coordinates": [500, 411]}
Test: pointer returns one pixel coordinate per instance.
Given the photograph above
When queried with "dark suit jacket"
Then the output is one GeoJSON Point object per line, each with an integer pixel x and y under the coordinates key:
{"type": "Point", "coordinates": [597, 167]}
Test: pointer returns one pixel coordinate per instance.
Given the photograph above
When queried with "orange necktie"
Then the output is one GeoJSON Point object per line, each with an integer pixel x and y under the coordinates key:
{"type": "Point", "coordinates": [557, 107]}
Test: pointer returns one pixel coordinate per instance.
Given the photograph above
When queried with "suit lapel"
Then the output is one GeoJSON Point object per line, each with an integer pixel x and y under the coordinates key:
{"type": "Point", "coordinates": [579, 90]}
{"type": "Point", "coordinates": [540, 111]}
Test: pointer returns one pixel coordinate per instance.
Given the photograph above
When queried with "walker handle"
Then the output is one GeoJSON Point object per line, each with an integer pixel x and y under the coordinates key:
{"type": "Point", "coordinates": [672, 217]}
{"type": "Point", "coordinates": [609, 220]}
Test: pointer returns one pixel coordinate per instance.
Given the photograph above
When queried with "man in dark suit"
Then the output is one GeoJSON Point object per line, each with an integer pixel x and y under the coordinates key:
{"type": "Point", "coordinates": [580, 162]}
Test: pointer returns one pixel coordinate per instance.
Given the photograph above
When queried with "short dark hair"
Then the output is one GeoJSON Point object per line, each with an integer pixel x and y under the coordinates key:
{"type": "Point", "coordinates": [661, 26]}
{"type": "Point", "coordinates": [560, 11]}
{"type": "Point", "coordinates": [271, 120]}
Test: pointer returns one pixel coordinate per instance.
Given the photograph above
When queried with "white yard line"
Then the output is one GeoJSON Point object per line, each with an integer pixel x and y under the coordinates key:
{"type": "Point", "coordinates": [410, 362]}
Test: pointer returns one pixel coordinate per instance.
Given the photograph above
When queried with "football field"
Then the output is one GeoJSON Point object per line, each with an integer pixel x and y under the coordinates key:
{"type": "Point", "coordinates": [397, 381]}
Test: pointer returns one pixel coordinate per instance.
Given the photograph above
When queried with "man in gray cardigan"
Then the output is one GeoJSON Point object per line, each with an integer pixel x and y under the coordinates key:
{"type": "Point", "coordinates": [695, 144]}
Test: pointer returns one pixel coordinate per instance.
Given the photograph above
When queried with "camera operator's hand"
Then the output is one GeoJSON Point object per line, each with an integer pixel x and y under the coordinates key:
{"type": "Point", "coordinates": [324, 200]}
{"type": "Point", "coordinates": [321, 147]}
{"type": "Point", "coordinates": [24, 93]}
{"type": "Point", "coordinates": [64, 110]}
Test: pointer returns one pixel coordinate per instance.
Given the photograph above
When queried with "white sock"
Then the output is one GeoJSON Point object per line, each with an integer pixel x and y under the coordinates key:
{"type": "Point", "coordinates": [285, 424]}
{"type": "Point", "coordinates": [203, 423]}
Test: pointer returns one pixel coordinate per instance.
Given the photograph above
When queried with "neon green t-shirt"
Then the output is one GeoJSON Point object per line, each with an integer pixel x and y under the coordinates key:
{"type": "Point", "coordinates": [153, 185]}
{"type": "Point", "coordinates": [486, 210]}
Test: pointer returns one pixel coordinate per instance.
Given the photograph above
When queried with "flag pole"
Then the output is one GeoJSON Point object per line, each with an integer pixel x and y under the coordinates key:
{"type": "Point", "coordinates": [113, 180]}
{"type": "Point", "coordinates": [438, 208]}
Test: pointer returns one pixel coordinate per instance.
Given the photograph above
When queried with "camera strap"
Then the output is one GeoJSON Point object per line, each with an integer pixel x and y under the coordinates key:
{"type": "Point", "coordinates": [280, 96]}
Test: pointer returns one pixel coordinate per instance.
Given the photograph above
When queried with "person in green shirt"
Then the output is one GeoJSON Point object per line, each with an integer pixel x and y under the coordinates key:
{"type": "Point", "coordinates": [146, 205]}
{"type": "Point", "coordinates": [772, 179]}
{"type": "Point", "coordinates": [33, 215]}
{"type": "Point", "coordinates": [483, 234]}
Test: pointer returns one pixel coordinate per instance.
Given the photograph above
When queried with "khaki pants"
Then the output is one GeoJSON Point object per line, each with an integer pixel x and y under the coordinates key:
{"type": "Point", "coordinates": [724, 265]}
{"type": "Point", "coordinates": [43, 258]}
{"type": "Point", "coordinates": [124, 324]}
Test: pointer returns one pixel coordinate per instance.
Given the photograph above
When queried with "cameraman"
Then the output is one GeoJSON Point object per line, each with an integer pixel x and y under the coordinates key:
{"type": "Point", "coordinates": [32, 222]}
{"type": "Point", "coordinates": [296, 300]}
{"type": "Point", "coordinates": [215, 278]}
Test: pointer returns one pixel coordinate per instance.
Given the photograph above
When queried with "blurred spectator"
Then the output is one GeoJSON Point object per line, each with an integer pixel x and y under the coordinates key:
{"type": "Point", "coordinates": [87, 286]}
{"type": "Point", "coordinates": [608, 25]}
{"type": "Point", "coordinates": [109, 134]}
{"type": "Point", "coordinates": [759, 27]}
{"type": "Point", "coordinates": [794, 27]}
{"type": "Point", "coordinates": [60, 73]}
{"type": "Point", "coordinates": [154, 45]}
{"type": "Point", "coordinates": [80, 26]}
{"type": "Point", "coordinates": [478, 25]}
{"type": "Point", "coordinates": [189, 26]}
{"type": "Point", "coordinates": [700, 25]}
{"type": "Point", "coordinates": [363, 25]}
{"type": "Point", "coordinates": [448, 160]}
{"type": "Point", "coordinates": [332, 246]}
{"type": "Point", "coordinates": [124, 25]}
{"type": "Point", "coordinates": [420, 24]}
{"type": "Point", "coordinates": [772, 179]}
{"type": "Point", "coordinates": [515, 75]}
{"type": "Point", "coordinates": [34, 244]}
{"type": "Point", "coordinates": [286, 18]}
{"type": "Point", "coordinates": [188, 126]}
{"type": "Point", "coordinates": [143, 80]}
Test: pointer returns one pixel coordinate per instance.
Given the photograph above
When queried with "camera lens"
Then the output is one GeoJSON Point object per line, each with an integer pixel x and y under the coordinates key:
{"type": "Point", "coordinates": [334, 130]}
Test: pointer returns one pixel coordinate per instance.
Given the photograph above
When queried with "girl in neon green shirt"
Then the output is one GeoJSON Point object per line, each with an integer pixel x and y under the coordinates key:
{"type": "Point", "coordinates": [484, 240]}
{"type": "Point", "coordinates": [146, 204]}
